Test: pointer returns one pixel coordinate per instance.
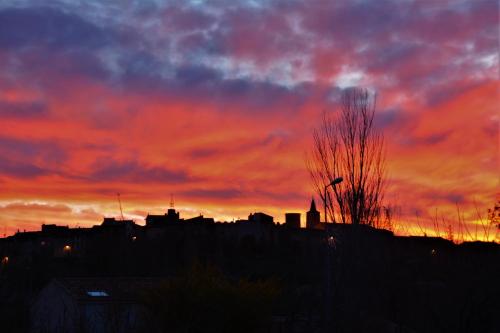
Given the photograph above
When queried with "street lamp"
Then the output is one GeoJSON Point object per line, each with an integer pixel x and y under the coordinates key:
{"type": "Point", "coordinates": [330, 244]}
{"type": "Point", "coordinates": [67, 249]}
{"type": "Point", "coordinates": [334, 182]}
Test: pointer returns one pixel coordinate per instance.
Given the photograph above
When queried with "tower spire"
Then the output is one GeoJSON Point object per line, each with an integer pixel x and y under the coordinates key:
{"type": "Point", "coordinates": [313, 206]}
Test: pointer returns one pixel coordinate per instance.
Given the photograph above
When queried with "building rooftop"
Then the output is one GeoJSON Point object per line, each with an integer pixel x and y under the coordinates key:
{"type": "Point", "coordinates": [123, 289]}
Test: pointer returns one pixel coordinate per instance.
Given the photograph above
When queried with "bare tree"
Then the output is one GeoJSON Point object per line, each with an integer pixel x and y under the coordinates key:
{"type": "Point", "coordinates": [494, 219]}
{"type": "Point", "coordinates": [347, 145]}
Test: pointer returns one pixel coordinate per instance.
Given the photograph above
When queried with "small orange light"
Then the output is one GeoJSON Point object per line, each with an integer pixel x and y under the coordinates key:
{"type": "Point", "coordinates": [433, 252]}
{"type": "Point", "coordinates": [67, 248]}
{"type": "Point", "coordinates": [5, 260]}
{"type": "Point", "coordinates": [134, 238]}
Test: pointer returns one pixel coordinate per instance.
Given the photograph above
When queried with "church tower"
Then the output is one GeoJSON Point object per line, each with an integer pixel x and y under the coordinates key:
{"type": "Point", "coordinates": [312, 216]}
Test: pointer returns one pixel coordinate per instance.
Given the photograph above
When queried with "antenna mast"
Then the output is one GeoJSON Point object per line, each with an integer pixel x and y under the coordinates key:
{"type": "Point", "coordinates": [171, 200]}
{"type": "Point", "coordinates": [120, 203]}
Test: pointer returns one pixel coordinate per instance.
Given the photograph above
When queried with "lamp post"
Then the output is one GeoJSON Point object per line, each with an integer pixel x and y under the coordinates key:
{"type": "Point", "coordinates": [330, 243]}
{"type": "Point", "coordinates": [332, 183]}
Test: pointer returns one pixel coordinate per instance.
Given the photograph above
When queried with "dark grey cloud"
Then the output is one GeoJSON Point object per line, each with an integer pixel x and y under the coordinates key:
{"type": "Point", "coordinates": [27, 27]}
{"type": "Point", "coordinates": [447, 92]}
{"type": "Point", "coordinates": [20, 169]}
{"type": "Point", "coordinates": [199, 153]}
{"type": "Point", "coordinates": [30, 158]}
{"type": "Point", "coordinates": [45, 46]}
{"type": "Point", "coordinates": [390, 118]}
{"type": "Point", "coordinates": [132, 171]}
{"type": "Point", "coordinates": [395, 56]}
{"type": "Point", "coordinates": [451, 198]}
{"type": "Point", "coordinates": [196, 76]}
{"type": "Point", "coordinates": [22, 151]}
{"type": "Point", "coordinates": [202, 83]}
{"type": "Point", "coordinates": [24, 158]}
{"type": "Point", "coordinates": [428, 140]}
{"type": "Point", "coordinates": [33, 109]}
{"type": "Point", "coordinates": [276, 197]}
{"type": "Point", "coordinates": [187, 19]}
{"type": "Point", "coordinates": [66, 43]}
{"type": "Point", "coordinates": [358, 20]}
{"type": "Point", "coordinates": [227, 193]}
{"type": "Point", "coordinates": [137, 65]}
{"type": "Point", "coordinates": [210, 43]}
{"type": "Point", "coordinates": [170, 57]}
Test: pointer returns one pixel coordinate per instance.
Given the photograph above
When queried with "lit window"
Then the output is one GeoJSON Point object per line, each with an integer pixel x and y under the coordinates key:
{"type": "Point", "coordinates": [97, 293]}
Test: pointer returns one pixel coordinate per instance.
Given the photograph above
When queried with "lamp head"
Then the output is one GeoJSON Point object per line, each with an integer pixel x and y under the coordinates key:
{"type": "Point", "coordinates": [337, 181]}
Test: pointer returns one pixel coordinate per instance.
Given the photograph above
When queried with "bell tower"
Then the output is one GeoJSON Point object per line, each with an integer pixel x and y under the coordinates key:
{"type": "Point", "coordinates": [312, 216]}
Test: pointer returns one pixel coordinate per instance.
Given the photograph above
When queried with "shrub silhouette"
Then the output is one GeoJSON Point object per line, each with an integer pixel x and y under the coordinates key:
{"type": "Point", "coordinates": [204, 300]}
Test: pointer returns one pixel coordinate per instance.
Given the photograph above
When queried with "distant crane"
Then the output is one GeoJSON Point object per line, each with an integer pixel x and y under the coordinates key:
{"type": "Point", "coordinates": [120, 203]}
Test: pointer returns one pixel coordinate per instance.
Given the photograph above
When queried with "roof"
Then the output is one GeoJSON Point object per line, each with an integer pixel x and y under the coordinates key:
{"type": "Point", "coordinates": [200, 219]}
{"type": "Point", "coordinates": [112, 222]}
{"type": "Point", "coordinates": [160, 220]}
{"type": "Point", "coordinates": [122, 289]}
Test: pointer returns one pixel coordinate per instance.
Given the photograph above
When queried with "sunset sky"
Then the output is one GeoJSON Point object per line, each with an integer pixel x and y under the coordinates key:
{"type": "Point", "coordinates": [215, 103]}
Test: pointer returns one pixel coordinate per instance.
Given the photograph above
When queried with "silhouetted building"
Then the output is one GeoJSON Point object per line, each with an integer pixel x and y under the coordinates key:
{"type": "Point", "coordinates": [312, 217]}
{"type": "Point", "coordinates": [261, 218]}
{"type": "Point", "coordinates": [53, 229]}
{"type": "Point", "coordinates": [161, 220]}
{"type": "Point", "coordinates": [292, 220]}
{"type": "Point", "coordinates": [200, 219]}
{"type": "Point", "coordinates": [90, 305]}
{"type": "Point", "coordinates": [112, 222]}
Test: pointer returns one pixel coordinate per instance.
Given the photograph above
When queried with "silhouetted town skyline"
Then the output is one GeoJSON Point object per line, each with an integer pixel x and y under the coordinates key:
{"type": "Point", "coordinates": [108, 274]}
{"type": "Point", "coordinates": [172, 216]}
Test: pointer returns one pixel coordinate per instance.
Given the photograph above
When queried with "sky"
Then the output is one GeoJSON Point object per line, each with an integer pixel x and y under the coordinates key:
{"type": "Point", "coordinates": [215, 103]}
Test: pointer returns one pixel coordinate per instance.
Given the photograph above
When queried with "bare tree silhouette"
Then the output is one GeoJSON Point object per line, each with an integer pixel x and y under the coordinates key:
{"type": "Point", "coordinates": [494, 218]}
{"type": "Point", "coordinates": [348, 145]}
